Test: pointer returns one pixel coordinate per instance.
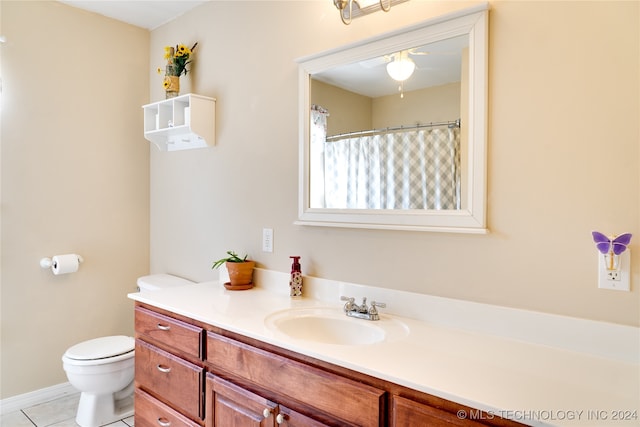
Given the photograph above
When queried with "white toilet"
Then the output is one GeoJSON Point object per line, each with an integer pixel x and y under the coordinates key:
{"type": "Point", "coordinates": [102, 369]}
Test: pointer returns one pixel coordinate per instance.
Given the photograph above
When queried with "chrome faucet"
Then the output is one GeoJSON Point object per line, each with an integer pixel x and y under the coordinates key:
{"type": "Point", "coordinates": [361, 311]}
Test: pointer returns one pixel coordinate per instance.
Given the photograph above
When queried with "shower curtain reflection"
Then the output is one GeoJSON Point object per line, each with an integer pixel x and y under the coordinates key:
{"type": "Point", "coordinates": [418, 169]}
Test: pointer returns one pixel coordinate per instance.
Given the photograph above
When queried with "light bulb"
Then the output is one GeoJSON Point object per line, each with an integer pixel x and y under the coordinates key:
{"type": "Point", "coordinates": [401, 68]}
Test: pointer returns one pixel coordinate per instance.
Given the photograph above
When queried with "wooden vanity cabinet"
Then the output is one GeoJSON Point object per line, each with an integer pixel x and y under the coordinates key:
{"type": "Point", "coordinates": [218, 378]}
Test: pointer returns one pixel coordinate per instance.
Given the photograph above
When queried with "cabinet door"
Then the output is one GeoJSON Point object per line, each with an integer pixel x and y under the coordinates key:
{"type": "Point", "coordinates": [171, 379]}
{"type": "Point", "coordinates": [407, 413]}
{"type": "Point", "coordinates": [231, 406]}
{"type": "Point", "coordinates": [149, 412]}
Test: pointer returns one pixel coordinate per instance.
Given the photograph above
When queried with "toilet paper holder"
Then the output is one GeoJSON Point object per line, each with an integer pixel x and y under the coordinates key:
{"type": "Point", "coordinates": [48, 262]}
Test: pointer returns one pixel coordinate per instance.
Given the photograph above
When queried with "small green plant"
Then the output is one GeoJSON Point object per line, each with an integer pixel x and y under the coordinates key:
{"type": "Point", "coordinates": [233, 257]}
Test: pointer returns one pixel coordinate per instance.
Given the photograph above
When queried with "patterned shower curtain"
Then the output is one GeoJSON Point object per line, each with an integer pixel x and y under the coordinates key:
{"type": "Point", "coordinates": [398, 170]}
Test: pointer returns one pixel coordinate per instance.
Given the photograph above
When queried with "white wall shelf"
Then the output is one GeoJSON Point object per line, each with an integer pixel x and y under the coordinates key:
{"type": "Point", "coordinates": [181, 123]}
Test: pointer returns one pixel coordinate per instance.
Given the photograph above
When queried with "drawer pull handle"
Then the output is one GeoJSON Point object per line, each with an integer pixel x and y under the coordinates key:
{"type": "Point", "coordinates": [163, 422]}
{"type": "Point", "coordinates": [163, 327]}
{"type": "Point", "coordinates": [280, 419]}
{"type": "Point", "coordinates": [164, 369]}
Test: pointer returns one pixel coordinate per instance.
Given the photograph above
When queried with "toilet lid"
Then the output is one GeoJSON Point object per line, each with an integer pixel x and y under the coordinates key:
{"type": "Point", "coordinates": [101, 348]}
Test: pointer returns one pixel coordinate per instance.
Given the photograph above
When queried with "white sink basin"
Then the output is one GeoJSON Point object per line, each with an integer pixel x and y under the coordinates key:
{"type": "Point", "coordinates": [332, 326]}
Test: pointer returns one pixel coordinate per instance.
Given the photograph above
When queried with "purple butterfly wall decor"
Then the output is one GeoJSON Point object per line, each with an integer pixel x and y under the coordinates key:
{"type": "Point", "coordinates": [615, 244]}
{"type": "Point", "coordinates": [612, 246]}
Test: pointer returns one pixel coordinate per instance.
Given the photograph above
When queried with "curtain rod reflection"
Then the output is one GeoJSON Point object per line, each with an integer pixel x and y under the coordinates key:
{"type": "Point", "coordinates": [449, 124]}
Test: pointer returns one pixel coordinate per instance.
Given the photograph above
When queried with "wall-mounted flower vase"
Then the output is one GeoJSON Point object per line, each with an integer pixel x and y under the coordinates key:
{"type": "Point", "coordinates": [172, 86]}
{"type": "Point", "coordinates": [177, 58]}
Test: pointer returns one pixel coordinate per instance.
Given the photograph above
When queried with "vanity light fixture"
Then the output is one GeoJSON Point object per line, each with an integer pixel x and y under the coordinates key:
{"type": "Point", "coordinates": [362, 7]}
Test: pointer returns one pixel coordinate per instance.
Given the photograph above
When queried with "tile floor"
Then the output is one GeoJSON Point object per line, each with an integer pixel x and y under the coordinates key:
{"type": "Point", "coordinates": [56, 413]}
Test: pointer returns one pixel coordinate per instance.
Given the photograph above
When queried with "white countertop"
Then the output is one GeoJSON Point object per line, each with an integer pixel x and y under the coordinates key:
{"type": "Point", "coordinates": [588, 377]}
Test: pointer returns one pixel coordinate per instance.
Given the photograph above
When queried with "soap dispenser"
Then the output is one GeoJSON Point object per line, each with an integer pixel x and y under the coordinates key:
{"type": "Point", "coordinates": [295, 282]}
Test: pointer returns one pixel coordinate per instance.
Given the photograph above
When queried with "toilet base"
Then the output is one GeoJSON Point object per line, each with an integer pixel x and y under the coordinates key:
{"type": "Point", "coordinates": [97, 410]}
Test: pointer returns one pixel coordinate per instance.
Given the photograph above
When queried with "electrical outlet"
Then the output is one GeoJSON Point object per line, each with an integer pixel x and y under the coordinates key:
{"type": "Point", "coordinates": [614, 276]}
{"type": "Point", "coordinates": [617, 280]}
{"type": "Point", "coordinates": [267, 240]}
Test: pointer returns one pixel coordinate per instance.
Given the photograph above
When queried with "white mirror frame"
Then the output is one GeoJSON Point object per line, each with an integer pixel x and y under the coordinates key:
{"type": "Point", "coordinates": [472, 218]}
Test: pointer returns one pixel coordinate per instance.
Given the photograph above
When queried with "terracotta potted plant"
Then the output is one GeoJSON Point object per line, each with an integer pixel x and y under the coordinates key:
{"type": "Point", "coordinates": [240, 271]}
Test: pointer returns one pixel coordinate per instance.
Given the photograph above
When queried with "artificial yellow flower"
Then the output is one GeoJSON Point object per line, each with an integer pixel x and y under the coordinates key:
{"type": "Point", "coordinates": [167, 52]}
{"type": "Point", "coordinates": [166, 83]}
{"type": "Point", "coordinates": [159, 70]}
{"type": "Point", "coordinates": [182, 50]}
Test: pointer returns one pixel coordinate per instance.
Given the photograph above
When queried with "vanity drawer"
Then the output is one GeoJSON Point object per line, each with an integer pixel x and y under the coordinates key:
{"type": "Point", "coordinates": [150, 412]}
{"type": "Point", "coordinates": [341, 398]}
{"type": "Point", "coordinates": [170, 332]}
{"type": "Point", "coordinates": [170, 378]}
{"type": "Point", "coordinates": [407, 413]}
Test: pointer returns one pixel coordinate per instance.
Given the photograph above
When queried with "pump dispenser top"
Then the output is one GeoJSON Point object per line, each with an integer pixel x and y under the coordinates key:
{"type": "Point", "coordinates": [295, 283]}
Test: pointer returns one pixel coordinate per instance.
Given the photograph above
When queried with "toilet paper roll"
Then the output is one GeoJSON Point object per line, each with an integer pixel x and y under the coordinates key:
{"type": "Point", "coordinates": [63, 264]}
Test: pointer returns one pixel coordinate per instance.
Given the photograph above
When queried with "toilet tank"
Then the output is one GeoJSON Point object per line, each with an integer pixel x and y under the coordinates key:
{"type": "Point", "coordinates": [156, 282]}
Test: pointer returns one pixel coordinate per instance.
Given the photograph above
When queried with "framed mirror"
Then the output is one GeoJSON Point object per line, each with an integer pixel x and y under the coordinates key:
{"type": "Point", "coordinates": [383, 149]}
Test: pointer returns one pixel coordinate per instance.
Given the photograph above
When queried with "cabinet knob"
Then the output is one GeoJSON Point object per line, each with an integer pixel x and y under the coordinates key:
{"type": "Point", "coordinates": [163, 422]}
{"type": "Point", "coordinates": [164, 369]}
{"type": "Point", "coordinates": [266, 413]}
{"type": "Point", "coordinates": [280, 419]}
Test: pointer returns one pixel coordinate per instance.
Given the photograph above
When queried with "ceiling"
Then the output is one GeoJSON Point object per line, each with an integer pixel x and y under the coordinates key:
{"type": "Point", "coordinates": [437, 64]}
{"type": "Point", "coordinates": [149, 14]}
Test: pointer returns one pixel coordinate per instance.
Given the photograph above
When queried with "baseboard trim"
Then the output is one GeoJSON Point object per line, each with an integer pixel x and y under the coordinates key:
{"type": "Point", "coordinates": [21, 401]}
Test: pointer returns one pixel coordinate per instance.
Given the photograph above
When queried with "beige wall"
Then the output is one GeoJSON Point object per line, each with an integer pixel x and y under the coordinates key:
{"type": "Point", "coordinates": [75, 178]}
{"type": "Point", "coordinates": [434, 104]}
{"type": "Point", "coordinates": [348, 111]}
{"type": "Point", "coordinates": [563, 112]}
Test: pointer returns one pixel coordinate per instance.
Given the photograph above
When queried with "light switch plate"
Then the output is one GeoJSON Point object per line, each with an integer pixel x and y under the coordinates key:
{"type": "Point", "coordinates": [267, 240]}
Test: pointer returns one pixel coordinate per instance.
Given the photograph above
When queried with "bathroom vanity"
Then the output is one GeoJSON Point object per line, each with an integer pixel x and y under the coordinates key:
{"type": "Point", "coordinates": [210, 357]}
{"type": "Point", "coordinates": [190, 373]}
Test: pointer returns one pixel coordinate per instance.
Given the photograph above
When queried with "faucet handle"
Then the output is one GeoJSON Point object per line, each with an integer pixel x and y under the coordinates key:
{"type": "Point", "coordinates": [350, 303]}
{"type": "Point", "coordinates": [374, 304]}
